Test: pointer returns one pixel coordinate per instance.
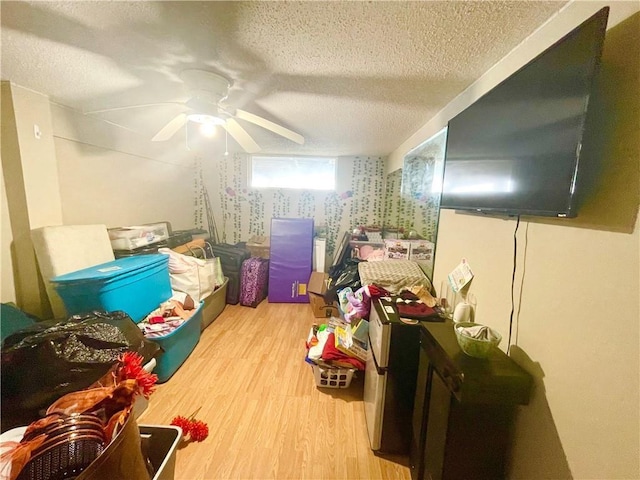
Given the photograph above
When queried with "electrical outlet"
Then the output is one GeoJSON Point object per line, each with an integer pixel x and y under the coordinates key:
{"type": "Point", "coordinates": [36, 131]}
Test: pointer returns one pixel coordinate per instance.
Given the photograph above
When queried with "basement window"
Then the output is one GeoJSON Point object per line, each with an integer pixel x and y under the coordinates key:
{"type": "Point", "coordinates": [303, 173]}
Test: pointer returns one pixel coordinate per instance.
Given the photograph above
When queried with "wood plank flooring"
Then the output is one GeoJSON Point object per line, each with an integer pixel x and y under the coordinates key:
{"type": "Point", "coordinates": [266, 417]}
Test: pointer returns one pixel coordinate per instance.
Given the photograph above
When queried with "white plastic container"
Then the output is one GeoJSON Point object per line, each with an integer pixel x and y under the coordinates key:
{"type": "Point", "coordinates": [462, 313]}
{"type": "Point", "coordinates": [130, 238]}
{"type": "Point", "coordinates": [161, 442]}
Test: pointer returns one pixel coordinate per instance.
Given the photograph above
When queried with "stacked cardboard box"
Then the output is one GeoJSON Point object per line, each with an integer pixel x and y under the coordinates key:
{"type": "Point", "coordinates": [316, 288]}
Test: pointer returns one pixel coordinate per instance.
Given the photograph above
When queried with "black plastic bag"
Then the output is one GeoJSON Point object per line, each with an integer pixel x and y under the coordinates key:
{"type": "Point", "coordinates": [43, 362]}
{"type": "Point", "coordinates": [343, 276]}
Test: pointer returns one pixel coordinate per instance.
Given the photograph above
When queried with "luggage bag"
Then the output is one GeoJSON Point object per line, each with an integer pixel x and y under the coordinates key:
{"type": "Point", "coordinates": [231, 258]}
{"type": "Point", "coordinates": [253, 281]}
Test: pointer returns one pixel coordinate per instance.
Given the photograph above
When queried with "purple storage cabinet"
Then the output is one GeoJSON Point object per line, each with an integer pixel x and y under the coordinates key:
{"type": "Point", "coordinates": [291, 259]}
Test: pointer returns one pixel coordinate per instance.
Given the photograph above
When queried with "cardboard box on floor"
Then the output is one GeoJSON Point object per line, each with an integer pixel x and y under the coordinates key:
{"type": "Point", "coordinates": [259, 246]}
{"type": "Point", "coordinates": [316, 288]}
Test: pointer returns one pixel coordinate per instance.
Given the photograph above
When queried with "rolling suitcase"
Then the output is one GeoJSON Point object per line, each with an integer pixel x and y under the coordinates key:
{"type": "Point", "coordinates": [253, 281]}
{"type": "Point", "coordinates": [231, 258]}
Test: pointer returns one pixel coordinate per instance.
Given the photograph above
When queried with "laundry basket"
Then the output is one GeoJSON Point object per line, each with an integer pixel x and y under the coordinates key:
{"type": "Point", "coordinates": [332, 377]}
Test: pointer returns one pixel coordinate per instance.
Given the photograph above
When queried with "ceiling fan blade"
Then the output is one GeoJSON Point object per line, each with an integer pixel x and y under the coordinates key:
{"type": "Point", "coordinates": [128, 107]}
{"type": "Point", "coordinates": [241, 136]}
{"type": "Point", "coordinates": [269, 125]}
{"type": "Point", "coordinates": [170, 129]}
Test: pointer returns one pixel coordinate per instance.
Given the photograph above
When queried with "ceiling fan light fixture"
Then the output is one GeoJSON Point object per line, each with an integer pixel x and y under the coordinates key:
{"type": "Point", "coordinates": [206, 108]}
{"type": "Point", "coordinates": [207, 130]}
{"type": "Point", "coordinates": [205, 119]}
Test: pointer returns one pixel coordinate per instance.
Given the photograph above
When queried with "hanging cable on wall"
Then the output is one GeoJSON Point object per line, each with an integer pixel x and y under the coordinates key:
{"type": "Point", "coordinates": [513, 280]}
{"type": "Point", "coordinates": [523, 272]}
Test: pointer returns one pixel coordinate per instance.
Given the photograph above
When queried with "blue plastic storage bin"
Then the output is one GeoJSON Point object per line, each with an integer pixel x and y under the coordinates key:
{"type": "Point", "coordinates": [136, 285]}
{"type": "Point", "coordinates": [177, 346]}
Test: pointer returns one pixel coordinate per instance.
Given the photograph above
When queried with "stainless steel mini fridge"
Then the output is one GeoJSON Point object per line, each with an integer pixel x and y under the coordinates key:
{"type": "Point", "coordinates": [390, 378]}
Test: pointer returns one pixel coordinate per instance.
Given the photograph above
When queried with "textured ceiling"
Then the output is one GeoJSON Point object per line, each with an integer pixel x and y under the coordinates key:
{"type": "Point", "coordinates": [352, 77]}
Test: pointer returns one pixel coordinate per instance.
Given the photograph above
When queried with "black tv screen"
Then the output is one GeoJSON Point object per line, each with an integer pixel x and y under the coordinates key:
{"type": "Point", "coordinates": [517, 149]}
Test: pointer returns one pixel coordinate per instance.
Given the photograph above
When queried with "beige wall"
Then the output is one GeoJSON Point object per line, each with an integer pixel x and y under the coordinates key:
{"type": "Point", "coordinates": [577, 289]}
{"type": "Point", "coordinates": [112, 176]}
{"type": "Point", "coordinates": [7, 284]}
{"type": "Point", "coordinates": [37, 156]}
{"type": "Point", "coordinates": [31, 186]}
{"type": "Point", "coordinates": [576, 330]}
{"type": "Point", "coordinates": [8, 147]}
{"type": "Point", "coordinates": [78, 170]}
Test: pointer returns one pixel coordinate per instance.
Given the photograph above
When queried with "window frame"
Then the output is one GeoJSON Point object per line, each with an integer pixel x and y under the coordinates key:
{"type": "Point", "coordinates": [293, 158]}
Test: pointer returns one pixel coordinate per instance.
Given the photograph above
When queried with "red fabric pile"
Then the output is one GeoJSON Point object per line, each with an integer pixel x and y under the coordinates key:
{"type": "Point", "coordinates": [410, 306]}
{"type": "Point", "coordinates": [333, 356]}
{"type": "Point", "coordinates": [415, 310]}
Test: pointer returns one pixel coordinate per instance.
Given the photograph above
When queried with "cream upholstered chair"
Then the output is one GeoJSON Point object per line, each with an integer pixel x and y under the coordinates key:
{"type": "Point", "coordinates": [62, 249]}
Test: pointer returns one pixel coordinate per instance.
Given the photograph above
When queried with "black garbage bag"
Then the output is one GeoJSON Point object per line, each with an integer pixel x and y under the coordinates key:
{"type": "Point", "coordinates": [342, 276]}
{"type": "Point", "coordinates": [49, 359]}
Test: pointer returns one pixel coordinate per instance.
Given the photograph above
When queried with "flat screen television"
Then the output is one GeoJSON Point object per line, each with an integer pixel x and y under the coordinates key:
{"type": "Point", "coordinates": [517, 149]}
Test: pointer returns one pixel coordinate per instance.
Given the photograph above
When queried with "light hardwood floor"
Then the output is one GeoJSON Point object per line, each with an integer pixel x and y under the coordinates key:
{"type": "Point", "coordinates": [266, 417]}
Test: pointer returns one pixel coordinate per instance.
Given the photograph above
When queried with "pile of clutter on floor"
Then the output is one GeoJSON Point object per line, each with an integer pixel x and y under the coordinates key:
{"type": "Point", "coordinates": [168, 316]}
{"type": "Point", "coordinates": [337, 344]}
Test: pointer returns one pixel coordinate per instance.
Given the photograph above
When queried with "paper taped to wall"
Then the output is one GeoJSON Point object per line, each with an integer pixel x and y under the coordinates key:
{"type": "Point", "coordinates": [460, 276]}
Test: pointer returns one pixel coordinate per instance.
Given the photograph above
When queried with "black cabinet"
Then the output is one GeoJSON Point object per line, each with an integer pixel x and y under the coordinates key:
{"type": "Point", "coordinates": [463, 409]}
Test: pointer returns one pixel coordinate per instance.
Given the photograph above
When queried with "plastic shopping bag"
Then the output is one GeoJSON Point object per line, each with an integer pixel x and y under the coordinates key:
{"type": "Point", "coordinates": [193, 276]}
{"type": "Point", "coordinates": [217, 268]}
{"type": "Point", "coordinates": [213, 265]}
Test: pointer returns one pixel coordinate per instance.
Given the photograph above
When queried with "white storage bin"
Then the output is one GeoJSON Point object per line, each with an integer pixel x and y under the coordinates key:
{"type": "Point", "coordinates": [161, 443]}
{"type": "Point", "coordinates": [130, 238]}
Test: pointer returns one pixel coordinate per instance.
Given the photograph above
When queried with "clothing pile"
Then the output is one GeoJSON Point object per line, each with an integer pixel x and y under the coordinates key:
{"type": "Point", "coordinates": [168, 316]}
{"type": "Point", "coordinates": [338, 344]}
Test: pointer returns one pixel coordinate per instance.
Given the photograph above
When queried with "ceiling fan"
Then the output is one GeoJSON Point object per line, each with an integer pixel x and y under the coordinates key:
{"type": "Point", "coordinates": [206, 106]}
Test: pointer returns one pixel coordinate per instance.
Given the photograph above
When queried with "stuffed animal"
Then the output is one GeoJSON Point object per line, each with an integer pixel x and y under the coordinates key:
{"type": "Point", "coordinates": [356, 304]}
